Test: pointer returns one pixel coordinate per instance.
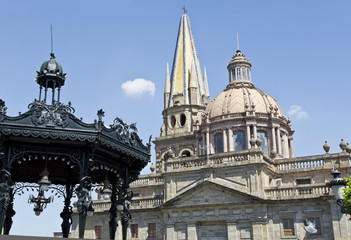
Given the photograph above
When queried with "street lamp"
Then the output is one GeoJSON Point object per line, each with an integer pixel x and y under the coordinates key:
{"type": "Point", "coordinates": [338, 185]}
{"type": "Point", "coordinates": [106, 191]}
{"type": "Point", "coordinates": [44, 182]}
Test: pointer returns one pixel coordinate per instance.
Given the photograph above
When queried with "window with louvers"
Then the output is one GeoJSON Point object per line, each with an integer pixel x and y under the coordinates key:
{"type": "Point", "coordinates": [152, 230]}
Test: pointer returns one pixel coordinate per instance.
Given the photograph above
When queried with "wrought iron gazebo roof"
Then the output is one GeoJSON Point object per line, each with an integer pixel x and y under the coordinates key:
{"type": "Point", "coordinates": [49, 144]}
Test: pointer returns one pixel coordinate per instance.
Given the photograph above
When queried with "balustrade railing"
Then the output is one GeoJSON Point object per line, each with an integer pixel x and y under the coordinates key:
{"type": "Point", "coordinates": [150, 202]}
{"type": "Point", "coordinates": [314, 162]}
{"type": "Point", "coordinates": [212, 160]}
{"type": "Point", "coordinates": [297, 192]}
{"type": "Point", "coordinates": [147, 180]}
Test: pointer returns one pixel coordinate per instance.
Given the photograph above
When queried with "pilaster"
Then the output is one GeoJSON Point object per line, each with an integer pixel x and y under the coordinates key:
{"type": "Point", "coordinates": [170, 234]}
{"type": "Point", "coordinates": [191, 229]}
{"type": "Point", "coordinates": [233, 233]}
{"type": "Point", "coordinates": [230, 136]}
{"type": "Point", "coordinates": [248, 136]}
{"type": "Point", "coordinates": [225, 145]}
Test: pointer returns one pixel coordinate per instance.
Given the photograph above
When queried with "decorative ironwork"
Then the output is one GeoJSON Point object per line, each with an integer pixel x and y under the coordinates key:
{"type": "Point", "coordinates": [51, 115]}
{"type": "Point", "coordinates": [67, 211]}
{"type": "Point", "coordinates": [40, 202]}
{"type": "Point", "coordinates": [113, 211]}
{"type": "Point", "coordinates": [5, 188]}
{"type": "Point", "coordinates": [3, 109]}
{"type": "Point", "coordinates": [10, 212]}
{"type": "Point", "coordinates": [77, 149]}
{"type": "Point", "coordinates": [83, 203]}
{"type": "Point", "coordinates": [126, 132]}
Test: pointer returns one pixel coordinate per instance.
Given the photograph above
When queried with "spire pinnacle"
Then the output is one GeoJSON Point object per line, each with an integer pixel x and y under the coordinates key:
{"type": "Point", "coordinates": [237, 41]}
{"type": "Point", "coordinates": [207, 91]}
{"type": "Point", "coordinates": [184, 9]}
{"type": "Point", "coordinates": [52, 44]}
{"type": "Point", "coordinates": [168, 81]}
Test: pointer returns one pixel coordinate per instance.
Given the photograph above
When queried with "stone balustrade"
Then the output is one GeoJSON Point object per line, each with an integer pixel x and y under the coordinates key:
{"type": "Point", "coordinates": [217, 160]}
{"type": "Point", "coordinates": [150, 179]}
{"type": "Point", "coordinates": [298, 192]}
{"type": "Point", "coordinates": [137, 203]}
{"type": "Point", "coordinates": [318, 162]}
{"type": "Point", "coordinates": [147, 202]}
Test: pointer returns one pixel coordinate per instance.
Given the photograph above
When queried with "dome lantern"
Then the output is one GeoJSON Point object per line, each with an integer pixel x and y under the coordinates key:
{"type": "Point", "coordinates": [239, 69]}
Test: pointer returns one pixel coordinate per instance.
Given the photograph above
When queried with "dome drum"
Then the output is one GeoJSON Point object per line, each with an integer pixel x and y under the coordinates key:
{"type": "Point", "coordinates": [242, 113]}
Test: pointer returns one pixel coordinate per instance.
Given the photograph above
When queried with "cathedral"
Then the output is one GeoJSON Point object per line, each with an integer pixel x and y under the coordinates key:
{"type": "Point", "coordinates": [225, 168]}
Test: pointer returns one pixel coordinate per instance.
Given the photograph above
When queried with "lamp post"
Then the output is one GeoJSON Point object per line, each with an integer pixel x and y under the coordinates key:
{"type": "Point", "coordinates": [338, 185]}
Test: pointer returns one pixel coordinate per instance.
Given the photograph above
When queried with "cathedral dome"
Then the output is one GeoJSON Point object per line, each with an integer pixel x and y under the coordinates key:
{"type": "Point", "coordinates": [241, 98]}
{"type": "Point", "coordinates": [241, 95]}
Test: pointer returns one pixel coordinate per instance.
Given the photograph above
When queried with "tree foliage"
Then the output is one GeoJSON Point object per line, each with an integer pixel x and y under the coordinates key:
{"type": "Point", "coordinates": [347, 196]}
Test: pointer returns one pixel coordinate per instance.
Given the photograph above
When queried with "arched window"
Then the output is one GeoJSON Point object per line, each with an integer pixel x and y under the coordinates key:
{"type": "Point", "coordinates": [186, 153]}
{"type": "Point", "coordinates": [239, 140]}
{"type": "Point", "coordinates": [218, 143]}
{"type": "Point", "coordinates": [263, 136]}
{"type": "Point", "coordinates": [233, 74]}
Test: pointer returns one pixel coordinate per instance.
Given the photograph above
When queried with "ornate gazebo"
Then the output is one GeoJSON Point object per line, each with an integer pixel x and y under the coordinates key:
{"type": "Point", "coordinates": [49, 149]}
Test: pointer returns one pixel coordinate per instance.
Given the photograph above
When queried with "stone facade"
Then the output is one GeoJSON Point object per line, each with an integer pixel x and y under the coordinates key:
{"type": "Point", "coordinates": [241, 184]}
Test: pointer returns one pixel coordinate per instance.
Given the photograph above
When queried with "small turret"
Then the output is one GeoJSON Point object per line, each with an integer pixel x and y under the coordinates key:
{"type": "Point", "coordinates": [51, 76]}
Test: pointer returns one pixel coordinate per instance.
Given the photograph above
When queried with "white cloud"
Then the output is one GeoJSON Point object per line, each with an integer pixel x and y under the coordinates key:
{"type": "Point", "coordinates": [138, 87]}
{"type": "Point", "coordinates": [297, 112]}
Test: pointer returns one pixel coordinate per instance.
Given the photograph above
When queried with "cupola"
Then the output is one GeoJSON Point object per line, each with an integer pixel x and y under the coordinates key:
{"type": "Point", "coordinates": [239, 69]}
{"type": "Point", "coordinates": [51, 76]}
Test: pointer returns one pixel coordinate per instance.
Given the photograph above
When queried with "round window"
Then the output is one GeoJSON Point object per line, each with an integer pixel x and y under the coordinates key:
{"type": "Point", "coordinates": [186, 153]}
{"type": "Point", "coordinates": [182, 119]}
{"type": "Point", "coordinates": [173, 121]}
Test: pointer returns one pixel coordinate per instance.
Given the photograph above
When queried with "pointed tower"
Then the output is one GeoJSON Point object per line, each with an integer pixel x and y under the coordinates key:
{"type": "Point", "coordinates": [185, 99]}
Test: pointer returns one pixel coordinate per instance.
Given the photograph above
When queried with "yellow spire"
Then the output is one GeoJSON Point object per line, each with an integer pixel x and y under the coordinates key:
{"type": "Point", "coordinates": [207, 90]}
{"type": "Point", "coordinates": [185, 57]}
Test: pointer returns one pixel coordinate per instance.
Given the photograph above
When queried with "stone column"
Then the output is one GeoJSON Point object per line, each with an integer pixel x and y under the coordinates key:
{"type": "Point", "coordinates": [233, 233]}
{"type": "Point", "coordinates": [225, 145]}
{"type": "Point", "coordinates": [208, 145]}
{"type": "Point", "coordinates": [291, 148]}
{"type": "Point", "coordinates": [191, 231]}
{"type": "Point", "coordinates": [248, 136]}
{"type": "Point", "coordinates": [170, 232]}
{"type": "Point", "coordinates": [286, 146]}
{"type": "Point", "coordinates": [211, 144]}
{"type": "Point", "coordinates": [340, 222]}
{"type": "Point", "coordinates": [257, 231]}
{"type": "Point", "coordinates": [231, 143]}
{"type": "Point", "coordinates": [279, 150]}
{"type": "Point", "coordinates": [274, 142]}
{"type": "Point", "coordinates": [255, 131]}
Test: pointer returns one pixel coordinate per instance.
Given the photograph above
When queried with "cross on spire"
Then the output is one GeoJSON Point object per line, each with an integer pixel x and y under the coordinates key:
{"type": "Point", "coordinates": [184, 9]}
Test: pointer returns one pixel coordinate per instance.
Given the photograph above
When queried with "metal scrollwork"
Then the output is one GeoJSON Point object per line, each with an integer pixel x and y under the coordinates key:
{"type": "Point", "coordinates": [3, 110]}
{"type": "Point", "coordinates": [55, 114]}
{"type": "Point", "coordinates": [128, 133]}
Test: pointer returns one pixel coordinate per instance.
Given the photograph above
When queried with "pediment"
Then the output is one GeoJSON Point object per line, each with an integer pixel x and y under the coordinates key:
{"type": "Point", "coordinates": [210, 193]}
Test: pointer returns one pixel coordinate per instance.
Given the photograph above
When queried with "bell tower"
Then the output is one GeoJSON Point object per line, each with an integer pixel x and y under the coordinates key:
{"type": "Point", "coordinates": [185, 99]}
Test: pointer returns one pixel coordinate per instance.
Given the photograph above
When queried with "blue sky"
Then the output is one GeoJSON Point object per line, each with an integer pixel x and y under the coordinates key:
{"type": "Point", "coordinates": [300, 54]}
